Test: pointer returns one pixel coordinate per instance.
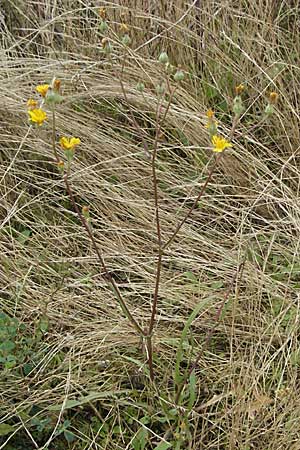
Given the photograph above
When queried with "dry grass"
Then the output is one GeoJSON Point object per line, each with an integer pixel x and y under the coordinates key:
{"type": "Point", "coordinates": [247, 388]}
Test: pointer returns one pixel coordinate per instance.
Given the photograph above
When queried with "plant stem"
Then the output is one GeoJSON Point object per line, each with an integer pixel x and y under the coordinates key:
{"type": "Point", "coordinates": [159, 237]}
{"type": "Point", "coordinates": [109, 279]}
{"type": "Point", "coordinates": [198, 198]}
{"type": "Point", "coordinates": [209, 333]}
{"type": "Point", "coordinates": [203, 189]}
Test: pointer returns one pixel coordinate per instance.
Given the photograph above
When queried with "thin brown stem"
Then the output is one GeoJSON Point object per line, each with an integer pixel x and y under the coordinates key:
{"type": "Point", "coordinates": [109, 279]}
{"type": "Point", "coordinates": [203, 189]}
{"type": "Point", "coordinates": [54, 136]}
{"type": "Point", "coordinates": [198, 198]}
{"type": "Point", "coordinates": [133, 119]}
{"type": "Point", "coordinates": [210, 332]}
{"type": "Point", "coordinates": [159, 237]}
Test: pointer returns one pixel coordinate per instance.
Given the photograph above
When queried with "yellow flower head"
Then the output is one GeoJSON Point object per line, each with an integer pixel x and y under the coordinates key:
{"type": "Point", "coordinates": [102, 13]}
{"type": "Point", "coordinates": [32, 104]}
{"type": "Point", "coordinates": [273, 97]}
{"type": "Point", "coordinates": [124, 28]}
{"type": "Point", "coordinates": [37, 116]}
{"type": "Point", "coordinates": [220, 143]}
{"type": "Point", "coordinates": [69, 143]}
{"type": "Point", "coordinates": [239, 89]}
{"type": "Point", "coordinates": [60, 165]}
{"type": "Point", "coordinates": [42, 89]}
{"type": "Point", "coordinates": [210, 114]}
{"type": "Point", "coordinates": [56, 85]}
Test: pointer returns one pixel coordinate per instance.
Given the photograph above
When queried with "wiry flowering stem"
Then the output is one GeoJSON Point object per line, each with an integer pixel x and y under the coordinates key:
{"type": "Point", "coordinates": [209, 334]}
{"type": "Point", "coordinates": [159, 236]}
{"type": "Point", "coordinates": [202, 191]}
{"type": "Point", "coordinates": [109, 279]}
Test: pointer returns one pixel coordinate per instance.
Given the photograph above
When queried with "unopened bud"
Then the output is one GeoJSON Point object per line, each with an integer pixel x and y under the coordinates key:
{"type": "Point", "coordinates": [179, 75]}
{"type": "Point", "coordinates": [273, 97]}
{"type": "Point", "coordinates": [53, 98]}
{"type": "Point", "coordinates": [103, 27]}
{"type": "Point", "coordinates": [124, 28]}
{"type": "Point", "coordinates": [126, 39]}
{"type": "Point", "coordinates": [32, 104]}
{"type": "Point", "coordinates": [107, 47]}
{"type": "Point", "coordinates": [140, 86]}
{"type": "Point", "coordinates": [238, 107]}
{"type": "Point", "coordinates": [161, 88]}
{"type": "Point", "coordinates": [163, 58]}
{"type": "Point", "coordinates": [86, 212]}
{"type": "Point", "coordinates": [61, 166]}
{"type": "Point", "coordinates": [102, 13]}
{"type": "Point", "coordinates": [269, 109]}
{"type": "Point", "coordinates": [56, 85]}
{"type": "Point", "coordinates": [239, 89]}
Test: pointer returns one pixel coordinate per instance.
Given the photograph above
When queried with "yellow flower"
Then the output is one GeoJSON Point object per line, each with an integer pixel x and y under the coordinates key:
{"type": "Point", "coordinates": [220, 143]}
{"type": "Point", "coordinates": [42, 89]}
{"type": "Point", "coordinates": [102, 13]}
{"type": "Point", "coordinates": [37, 116]}
{"type": "Point", "coordinates": [56, 85]}
{"type": "Point", "coordinates": [239, 89]}
{"type": "Point", "coordinates": [273, 97]}
{"type": "Point", "coordinates": [124, 28]}
{"type": "Point", "coordinates": [69, 143]}
{"type": "Point", "coordinates": [210, 114]}
{"type": "Point", "coordinates": [32, 104]}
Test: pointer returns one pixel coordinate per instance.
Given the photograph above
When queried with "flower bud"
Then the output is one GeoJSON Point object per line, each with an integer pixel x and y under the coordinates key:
{"type": "Point", "coordinates": [212, 128]}
{"type": "Point", "coordinates": [32, 104]}
{"type": "Point", "coordinates": [61, 166]}
{"type": "Point", "coordinates": [126, 39]}
{"type": "Point", "coordinates": [56, 85]}
{"type": "Point", "coordinates": [163, 58]}
{"type": "Point", "coordinates": [103, 27]}
{"type": "Point", "coordinates": [124, 28]}
{"type": "Point", "coordinates": [86, 212]}
{"type": "Point", "coordinates": [210, 113]}
{"type": "Point", "coordinates": [52, 98]}
{"type": "Point", "coordinates": [273, 98]}
{"type": "Point", "coordinates": [239, 89]}
{"type": "Point", "coordinates": [179, 75]}
{"type": "Point", "coordinates": [161, 88]}
{"type": "Point", "coordinates": [102, 13]}
{"type": "Point", "coordinates": [269, 109]}
{"type": "Point", "coordinates": [106, 45]}
{"type": "Point", "coordinates": [238, 107]}
{"type": "Point", "coordinates": [140, 86]}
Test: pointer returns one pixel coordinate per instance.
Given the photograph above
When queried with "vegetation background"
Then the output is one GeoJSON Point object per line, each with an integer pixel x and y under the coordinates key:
{"type": "Point", "coordinates": [72, 367]}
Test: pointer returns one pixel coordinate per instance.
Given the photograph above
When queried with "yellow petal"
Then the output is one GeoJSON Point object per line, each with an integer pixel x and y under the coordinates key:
{"type": "Point", "coordinates": [42, 89]}
{"type": "Point", "coordinates": [74, 141]}
{"type": "Point", "coordinates": [37, 116]}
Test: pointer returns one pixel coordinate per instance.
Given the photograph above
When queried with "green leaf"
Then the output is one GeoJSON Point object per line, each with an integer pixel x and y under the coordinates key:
{"type": "Point", "coordinates": [24, 236]}
{"type": "Point", "coordinates": [70, 437]}
{"type": "Point", "coordinates": [5, 429]}
{"type": "Point", "coordinates": [191, 276]}
{"type": "Point", "coordinates": [140, 440]}
{"type": "Point", "coordinates": [88, 398]}
{"type": "Point", "coordinates": [44, 324]}
{"type": "Point", "coordinates": [27, 368]}
{"type": "Point", "coordinates": [163, 446]}
{"type": "Point", "coordinates": [179, 354]}
{"type": "Point", "coordinates": [192, 390]}
{"type": "Point", "coordinates": [217, 284]}
{"type": "Point", "coordinates": [7, 346]}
